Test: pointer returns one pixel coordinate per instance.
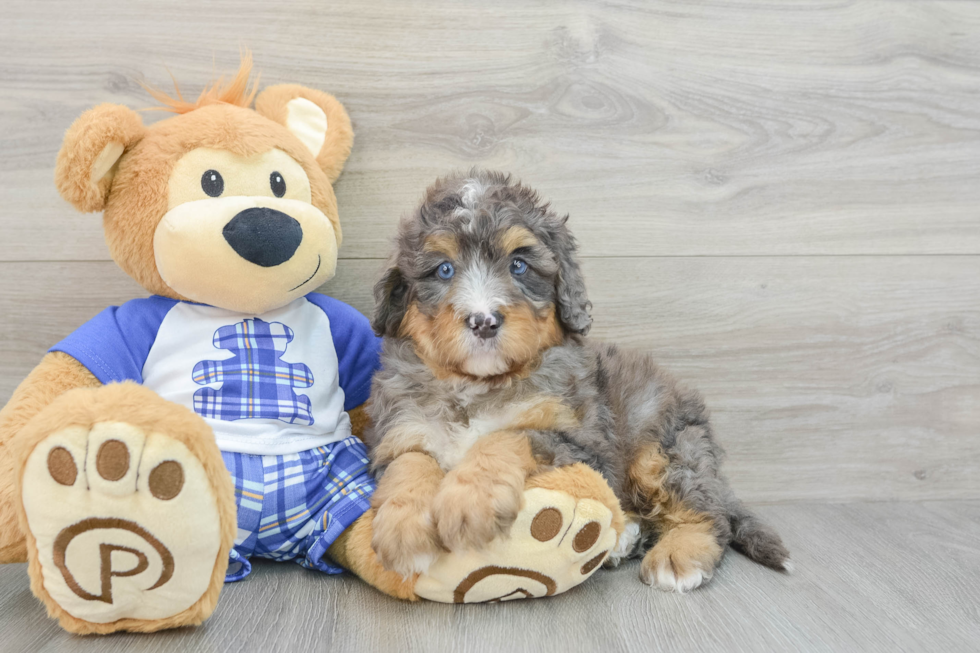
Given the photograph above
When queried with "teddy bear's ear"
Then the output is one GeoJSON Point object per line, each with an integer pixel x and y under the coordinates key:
{"type": "Point", "coordinates": [318, 120]}
{"type": "Point", "coordinates": [89, 154]}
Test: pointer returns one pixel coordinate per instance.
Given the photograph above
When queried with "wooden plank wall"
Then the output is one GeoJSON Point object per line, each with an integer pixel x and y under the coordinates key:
{"type": "Point", "coordinates": [781, 200]}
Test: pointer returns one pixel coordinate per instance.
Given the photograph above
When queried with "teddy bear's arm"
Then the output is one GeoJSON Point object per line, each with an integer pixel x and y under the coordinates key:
{"type": "Point", "coordinates": [56, 374]}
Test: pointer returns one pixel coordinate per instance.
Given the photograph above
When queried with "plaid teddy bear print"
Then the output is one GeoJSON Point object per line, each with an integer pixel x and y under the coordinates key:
{"type": "Point", "coordinates": [256, 382]}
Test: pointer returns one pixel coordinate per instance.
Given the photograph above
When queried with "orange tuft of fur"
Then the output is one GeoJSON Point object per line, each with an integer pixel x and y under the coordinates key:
{"type": "Point", "coordinates": [235, 92]}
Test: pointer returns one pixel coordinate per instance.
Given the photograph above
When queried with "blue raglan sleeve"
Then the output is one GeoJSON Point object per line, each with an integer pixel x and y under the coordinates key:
{"type": "Point", "coordinates": [358, 349]}
{"type": "Point", "coordinates": [114, 344]}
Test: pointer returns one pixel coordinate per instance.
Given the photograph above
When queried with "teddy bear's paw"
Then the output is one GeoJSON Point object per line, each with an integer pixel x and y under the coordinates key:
{"type": "Point", "coordinates": [555, 543]}
{"type": "Point", "coordinates": [125, 523]}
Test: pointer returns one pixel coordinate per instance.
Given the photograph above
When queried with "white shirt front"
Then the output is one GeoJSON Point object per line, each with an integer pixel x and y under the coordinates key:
{"type": "Point", "coordinates": [260, 393]}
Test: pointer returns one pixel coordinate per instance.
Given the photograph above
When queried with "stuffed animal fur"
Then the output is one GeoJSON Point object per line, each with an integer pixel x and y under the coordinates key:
{"type": "Point", "coordinates": [136, 458]}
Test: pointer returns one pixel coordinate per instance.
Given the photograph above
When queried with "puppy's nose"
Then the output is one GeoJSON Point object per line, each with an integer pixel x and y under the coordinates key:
{"type": "Point", "coordinates": [263, 236]}
{"type": "Point", "coordinates": [483, 325]}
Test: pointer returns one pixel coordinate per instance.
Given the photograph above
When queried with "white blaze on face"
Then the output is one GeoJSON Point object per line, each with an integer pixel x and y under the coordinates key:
{"type": "Point", "coordinates": [478, 291]}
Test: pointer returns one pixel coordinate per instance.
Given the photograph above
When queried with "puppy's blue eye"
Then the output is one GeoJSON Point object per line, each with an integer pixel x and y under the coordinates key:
{"type": "Point", "coordinates": [445, 270]}
{"type": "Point", "coordinates": [518, 266]}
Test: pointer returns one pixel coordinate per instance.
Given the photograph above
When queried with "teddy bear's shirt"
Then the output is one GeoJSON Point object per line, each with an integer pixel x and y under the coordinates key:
{"type": "Point", "coordinates": [269, 384]}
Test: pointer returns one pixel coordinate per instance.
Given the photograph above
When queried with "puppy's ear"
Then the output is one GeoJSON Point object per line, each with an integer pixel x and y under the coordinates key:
{"type": "Point", "coordinates": [90, 153]}
{"type": "Point", "coordinates": [390, 302]}
{"type": "Point", "coordinates": [318, 120]}
{"type": "Point", "coordinates": [573, 302]}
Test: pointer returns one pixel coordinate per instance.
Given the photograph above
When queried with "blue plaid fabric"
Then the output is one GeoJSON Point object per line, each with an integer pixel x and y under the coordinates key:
{"type": "Point", "coordinates": [256, 383]}
{"type": "Point", "coordinates": [293, 507]}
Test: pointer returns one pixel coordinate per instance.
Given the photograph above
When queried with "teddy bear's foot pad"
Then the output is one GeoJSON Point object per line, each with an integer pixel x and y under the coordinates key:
{"type": "Point", "coordinates": [556, 543]}
{"type": "Point", "coordinates": [125, 523]}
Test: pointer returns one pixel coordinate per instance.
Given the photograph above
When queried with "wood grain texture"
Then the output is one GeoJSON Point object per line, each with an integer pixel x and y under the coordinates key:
{"type": "Point", "coordinates": [831, 378]}
{"type": "Point", "coordinates": [869, 577]}
{"type": "Point", "coordinates": [778, 200]}
{"type": "Point", "coordinates": [663, 128]}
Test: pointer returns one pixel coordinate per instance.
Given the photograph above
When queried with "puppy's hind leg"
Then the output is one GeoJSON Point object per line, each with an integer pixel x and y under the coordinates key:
{"type": "Point", "coordinates": [692, 525]}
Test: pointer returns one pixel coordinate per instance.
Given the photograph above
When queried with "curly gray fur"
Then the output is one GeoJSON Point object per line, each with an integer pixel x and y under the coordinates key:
{"type": "Point", "coordinates": [623, 400]}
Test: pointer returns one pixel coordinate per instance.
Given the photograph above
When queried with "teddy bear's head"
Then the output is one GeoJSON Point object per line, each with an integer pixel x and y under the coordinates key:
{"type": "Point", "coordinates": [221, 204]}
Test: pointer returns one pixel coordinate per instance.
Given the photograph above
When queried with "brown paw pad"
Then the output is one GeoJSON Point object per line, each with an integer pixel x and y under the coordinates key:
{"type": "Point", "coordinates": [112, 461]}
{"type": "Point", "coordinates": [166, 480]}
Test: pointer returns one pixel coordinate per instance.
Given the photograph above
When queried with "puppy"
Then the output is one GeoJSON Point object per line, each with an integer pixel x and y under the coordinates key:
{"type": "Point", "coordinates": [487, 378]}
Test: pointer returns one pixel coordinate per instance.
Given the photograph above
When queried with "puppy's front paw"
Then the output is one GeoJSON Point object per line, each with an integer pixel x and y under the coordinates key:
{"type": "Point", "coordinates": [404, 537]}
{"type": "Point", "coordinates": [469, 513]}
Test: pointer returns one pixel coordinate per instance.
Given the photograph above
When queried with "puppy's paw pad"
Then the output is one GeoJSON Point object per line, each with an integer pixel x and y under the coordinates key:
{"type": "Point", "coordinates": [555, 543]}
{"type": "Point", "coordinates": [125, 523]}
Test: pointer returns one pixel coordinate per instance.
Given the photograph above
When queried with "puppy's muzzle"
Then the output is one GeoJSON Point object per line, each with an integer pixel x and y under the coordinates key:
{"type": "Point", "coordinates": [264, 236]}
{"type": "Point", "coordinates": [483, 325]}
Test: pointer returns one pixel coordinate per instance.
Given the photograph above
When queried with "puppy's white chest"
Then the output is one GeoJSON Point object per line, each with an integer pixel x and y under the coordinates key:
{"type": "Point", "coordinates": [450, 442]}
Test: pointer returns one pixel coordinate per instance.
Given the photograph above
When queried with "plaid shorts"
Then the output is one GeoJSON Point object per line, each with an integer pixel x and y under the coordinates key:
{"type": "Point", "coordinates": [293, 507]}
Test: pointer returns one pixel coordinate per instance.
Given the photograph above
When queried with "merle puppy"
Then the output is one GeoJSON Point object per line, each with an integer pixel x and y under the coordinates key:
{"type": "Point", "coordinates": [487, 377]}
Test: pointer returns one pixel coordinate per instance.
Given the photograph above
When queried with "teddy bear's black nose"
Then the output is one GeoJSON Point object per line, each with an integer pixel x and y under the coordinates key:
{"type": "Point", "coordinates": [263, 236]}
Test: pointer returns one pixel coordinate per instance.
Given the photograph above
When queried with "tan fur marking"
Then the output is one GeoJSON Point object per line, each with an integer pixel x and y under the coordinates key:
{"type": "Point", "coordinates": [687, 542]}
{"type": "Point", "coordinates": [442, 243]}
{"type": "Point", "coordinates": [352, 550]}
{"type": "Point", "coordinates": [439, 340]}
{"type": "Point", "coordinates": [550, 414]}
{"type": "Point", "coordinates": [516, 237]}
{"type": "Point", "coordinates": [528, 334]}
{"type": "Point", "coordinates": [645, 481]}
{"type": "Point", "coordinates": [399, 440]}
{"type": "Point", "coordinates": [684, 548]}
{"type": "Point", "coordinates": [480, 498]}
{"type": "Point", "coordinates": [403, 526]}
{"type": "Point", "coordinates": [359, 420]}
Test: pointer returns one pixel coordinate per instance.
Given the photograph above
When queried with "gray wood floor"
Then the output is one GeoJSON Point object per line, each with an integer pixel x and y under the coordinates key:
{"type": "Point", "coordinates": [780, 200]}
{"type": "Point", "coordinates": [869, 577]}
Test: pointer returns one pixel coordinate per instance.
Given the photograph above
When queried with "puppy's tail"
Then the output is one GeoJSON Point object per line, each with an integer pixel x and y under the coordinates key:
{"type": "Point", "coordinates": [756, 540]}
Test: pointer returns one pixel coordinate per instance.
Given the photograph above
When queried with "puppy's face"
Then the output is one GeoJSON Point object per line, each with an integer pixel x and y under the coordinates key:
{"type": "Point", "coordinates": [483, 280]}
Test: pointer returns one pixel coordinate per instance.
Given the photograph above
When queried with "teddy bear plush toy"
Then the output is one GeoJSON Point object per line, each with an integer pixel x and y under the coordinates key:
{"type": "Point", "coordinates": [161, 446]}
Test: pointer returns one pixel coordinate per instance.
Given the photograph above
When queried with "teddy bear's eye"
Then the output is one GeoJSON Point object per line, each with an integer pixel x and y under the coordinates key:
{"type": "Point", "coordinates": [278, 184]}
{"type": "Point", "coordinates": [212, 183]}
